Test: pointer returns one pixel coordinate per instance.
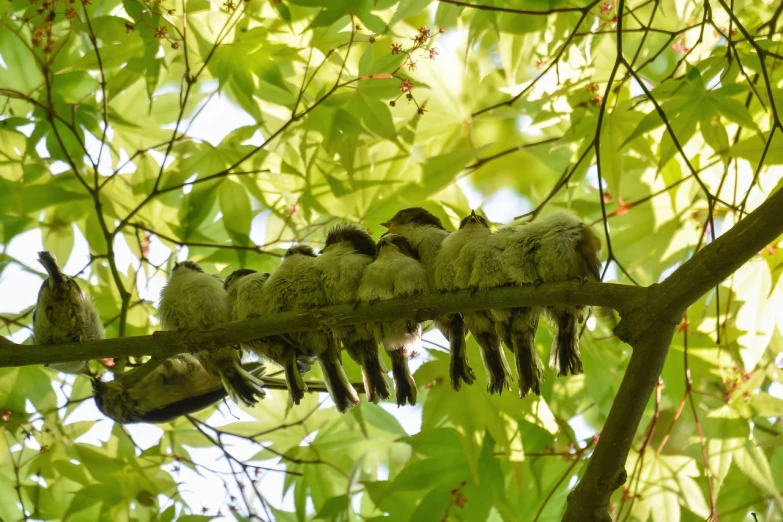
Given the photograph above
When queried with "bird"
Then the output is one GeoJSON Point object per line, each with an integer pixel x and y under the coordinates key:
{"type": "Point", "coordinates": [193, 299]}
{"type": "Point", "coordinates": [63, 314]}
{"type": "Point", "coordinates": [488, 265]}
{"type": "Point", "coordinates": [396, 272]}
{"type": "Point", "coordinates": [333, 277]}
{"type": "Point", "coordinates": [232, 284]}
{"type": "Point", "coordinates": [178, 386]}
{"type": "Point", "coordinates": [567, 250]}
{"type": "Point", "coordinates": [348, 250]}
{"type": "Point", "coordinates": [456, 258]}
{"type": "Point", "coordinates": [247, 298]}
{"type": "Point", "coordinates": [425, 233]}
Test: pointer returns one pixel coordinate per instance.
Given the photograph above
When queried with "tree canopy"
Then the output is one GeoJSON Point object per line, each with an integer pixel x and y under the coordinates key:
{"type": "Point", "coordinates": [135, 133]}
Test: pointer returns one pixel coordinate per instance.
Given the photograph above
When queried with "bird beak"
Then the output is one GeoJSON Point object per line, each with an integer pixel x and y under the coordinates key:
{"type": "Point", "coordinates": [388, 224]}
{"type": "Point", "coordinates": [473, 217]}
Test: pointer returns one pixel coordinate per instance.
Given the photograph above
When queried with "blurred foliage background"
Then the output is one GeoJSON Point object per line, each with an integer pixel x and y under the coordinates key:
{"type": "Point", "coordinates": [134, 133]}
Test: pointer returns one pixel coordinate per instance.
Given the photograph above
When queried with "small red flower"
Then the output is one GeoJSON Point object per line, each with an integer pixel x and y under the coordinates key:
{"type": "Point", "coordinates": [406, 85]}
{"type": "Point", "coordinates": [624, 207]}
{"type": "Point", "coordinates": [395, 48]}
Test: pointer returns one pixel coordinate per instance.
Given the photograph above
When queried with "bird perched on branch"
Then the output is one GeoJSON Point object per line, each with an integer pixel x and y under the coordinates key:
{"type": "Point", "coordinates": [279, 295]}
{"type": "Point", "coordinates": [247, 291]}
{"type": "Point", "coordinates": [425, 233]}
{"type": "Point", "coordinates": [348, 251]}
{"type": "Point", "coordinates": [63, 313]}
{"type": "Point", "coordinates": [232, 284]}
{"type": "Point", "coordinates": [490, 263]}
{"type": "Point", "coordinates": [178, 386]}
{"type": "Point", "coordinates": [396, 272]}
{"type": "Point", "coordinates": [567, 250]}
{"type": "Point", "coordinates": [193, 299]}
{"type": "Point", "coordinates": [558, 247]}
{"type": "Point", "coordinates": [454, 259]}
{"type": "Point", "coordinates": [331, 278]}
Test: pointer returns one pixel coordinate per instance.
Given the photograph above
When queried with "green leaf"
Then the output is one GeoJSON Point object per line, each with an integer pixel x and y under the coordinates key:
{"type": "Point", "coordinates": [752, 148]}
{"type": "Point", "coordinates": [774, 442]}
{"type": "Point", "coordinates": [736, 112]}
{"type": "Point", "coordinates": [58, 235]}
{"type": "Point", "coordinates": [237, 213]}
{"type": "Point", "coordinates": [766, 405]}
{"type": "Point", "coordinates": [408, 8]}
{"type": "Point", "coordinates": [376, 116]}
{"type": "Point", "coordinates": [715, 135]}
{"type": "Point", "coordinates": [753, 463]}
{"type": "Point", "coordinates": [333, 507]}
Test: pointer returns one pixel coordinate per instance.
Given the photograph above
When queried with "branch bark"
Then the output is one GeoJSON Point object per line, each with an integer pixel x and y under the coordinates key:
{"type": "Point", "coordinates": [649, 330]}
{"type": "Point", "coordinates": [419, 307]}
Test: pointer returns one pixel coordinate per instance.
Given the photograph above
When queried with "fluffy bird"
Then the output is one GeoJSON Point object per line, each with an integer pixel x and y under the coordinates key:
{"type": "Point", "coordinates": [567, 250]}
{"type": "Point", "coordinates": [396, 272]}
{"type": "Point", "coordinates": [455, 259]}
{"type": "Point", "coordinates": [248, 298]}
{"type": "Point", "coordinates": [333, 277]}
{"type": "Point", "coordinates": [348, 251]}
{"type": "Point", "coordinates": [279, 295]}
{"type": "Point", "coordinates": [426, 234]}
{"type": "Point", "coordinates": [63, 313]}
{"type": "Point", "coordinates": [500, 259]}
{"type": "Point", "coordinates": [193, 299]}
{"type": "Point", "coordinates": [178, 386]}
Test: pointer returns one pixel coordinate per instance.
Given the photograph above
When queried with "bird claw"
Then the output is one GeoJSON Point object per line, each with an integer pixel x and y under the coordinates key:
{"type": "Point", "coordinates": [580, 279]}
{"type": "Point", "coordinates": [538, 282]}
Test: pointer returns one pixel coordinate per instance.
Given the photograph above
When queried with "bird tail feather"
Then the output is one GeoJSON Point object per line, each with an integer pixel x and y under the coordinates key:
{"type": "Point", "coordinates": [342, 392]}
{"type": "Point", "coordinates": [404, 385]}
{"type": "Point", "coordinates": [52, 268]}
{"type": "Point", "coordinates": [564, 356]}
{"type": "Point", "coordinates": [242, 386]}
{"type": "Point", "coordinates": [495, 363]}
{"type": "Point", "coordinates": [375, 381]}
{"type": "Point", "coordinates": [293, 380]}
{"type": "Point", "coordinates": [459, 368]}
{"type": "Point", "coordinates": [522, 335]}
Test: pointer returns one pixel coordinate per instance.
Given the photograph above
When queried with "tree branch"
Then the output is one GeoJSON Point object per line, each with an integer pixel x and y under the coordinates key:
{"type": "Point", "coordinates": [420, 307]}
{"type": "Point", "coordinates": [649, 330]}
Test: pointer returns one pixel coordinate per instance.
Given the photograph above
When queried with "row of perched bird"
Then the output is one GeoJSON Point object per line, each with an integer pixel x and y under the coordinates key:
{"type": "Point", "coordinates": [416, 255]}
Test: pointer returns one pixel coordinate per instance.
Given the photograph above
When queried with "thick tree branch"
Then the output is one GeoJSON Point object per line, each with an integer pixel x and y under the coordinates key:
{"type": "Point", "coordinates": [649, 330]}
{"type": "Point", "coordinates": [709, 267]}
{"type": "Point", "coordinates": [421, 307]}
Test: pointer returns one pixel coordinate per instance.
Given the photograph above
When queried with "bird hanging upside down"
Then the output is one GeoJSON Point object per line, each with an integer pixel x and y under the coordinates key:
{"type": "Point", "coordinates": [193, 299]}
